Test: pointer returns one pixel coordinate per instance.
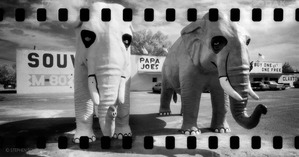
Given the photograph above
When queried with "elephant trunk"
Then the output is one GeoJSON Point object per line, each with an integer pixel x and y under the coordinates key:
{"type": "Point", "coordinates": [107, 91]}
{"type": "Point", "coordinates": [239, 81]}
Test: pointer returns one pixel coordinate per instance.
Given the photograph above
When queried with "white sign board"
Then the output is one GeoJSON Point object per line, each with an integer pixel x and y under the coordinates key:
{"type": "Point", "coordinates": [266, 67]}
{"type": "Point", "coordinates": [288, 79]}
{"type": "Point", "coordinates": [41, 71]}
{"type": "Point", "coordinates": [150, 64]}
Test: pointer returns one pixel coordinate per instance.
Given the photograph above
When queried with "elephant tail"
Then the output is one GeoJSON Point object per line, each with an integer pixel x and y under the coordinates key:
{"type": "Point", "coordinates": [175, 97]}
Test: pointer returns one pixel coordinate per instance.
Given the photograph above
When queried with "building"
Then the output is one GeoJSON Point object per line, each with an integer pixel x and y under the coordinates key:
{"type": "Point", "coordinates": [145, 71]}
{"type": "Point", "coordinates": [40, 71]}
{"type": "Point", "coordinates": [271, 71]}
{"type": "Point", "coordinates": [265, 71]}
{"type": "Point", "coordinates": [288, 78]}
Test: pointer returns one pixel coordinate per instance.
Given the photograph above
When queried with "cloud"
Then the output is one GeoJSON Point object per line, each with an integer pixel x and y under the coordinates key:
{"type": "Point", "coordinates": [17, 31]}
{"type": "Point", "coordinates": [276, 40]}
{"type": "Point", "coordinates": [42, 36]}
{"type": "Point", "coordinates": [74, 6]}
{"type": "Point", "coordinates": [8, 50]}
{"type": "Point", "coordinates": [10, 6]}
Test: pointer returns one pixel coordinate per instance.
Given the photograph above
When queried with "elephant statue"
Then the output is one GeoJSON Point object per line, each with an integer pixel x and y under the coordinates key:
{"type": "Point", "coordinates": [211, 55]}
{"type": "Point", "coordinates": [102, 74]}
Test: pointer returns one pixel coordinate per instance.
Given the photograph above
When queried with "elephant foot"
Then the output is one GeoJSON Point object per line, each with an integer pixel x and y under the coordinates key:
{"type": "Point", "coordinates": [121, 135]}
{"type": "Point", "coordinates": [163, 112]}
{"type": "Point", "coordinates": [89, 134]}
{"type": "Point", "coordinates": [120, 132]}
{"type": "Point", "coordinates": [223, 128]}
{"type": "Point", "coordinates": [90, 139]}
{"type": "Point", "coordinates": [193, 131]}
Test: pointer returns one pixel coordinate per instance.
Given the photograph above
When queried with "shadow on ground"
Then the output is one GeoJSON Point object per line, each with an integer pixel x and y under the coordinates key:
{"type": "Point", "coordinates": [8, 91]}
{"type": "Point", "coordinates": [52, 128]}
{"type": "Point", "coordinates": [151, 92]}
{"type": "Point", "coordinates": [2, 98]}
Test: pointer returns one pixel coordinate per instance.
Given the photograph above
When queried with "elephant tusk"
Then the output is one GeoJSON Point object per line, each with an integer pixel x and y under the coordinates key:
{"type": "Point", "coordinates": [92, 85]}
{"type": "Point", "coordinates": [229, 89]}
{"type": "Point", "coordinates": [121, 90]}
{"type": "Point", "coordinates": [96, 109]}
{"type": "Point", "coordinates": [252, 93]}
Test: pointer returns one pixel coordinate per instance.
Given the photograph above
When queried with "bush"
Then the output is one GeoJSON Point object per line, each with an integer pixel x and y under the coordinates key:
{"type": "Point", "coordinates": [287, 68]}
{"type": "Point", "coordinates": [8, 74]}
{"type": "Point", "coordinates": [154, 43]}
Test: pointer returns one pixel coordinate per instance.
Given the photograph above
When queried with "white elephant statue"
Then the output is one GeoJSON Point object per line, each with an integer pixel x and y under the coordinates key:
{"type": "Point", "coordinates": [210, 55]}
{"type": "Point", "coordinates": [102, 74]}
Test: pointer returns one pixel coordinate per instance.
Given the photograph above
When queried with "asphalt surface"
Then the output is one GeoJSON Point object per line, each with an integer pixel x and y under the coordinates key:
{"type": "Point", "coordinates": [52, 115]}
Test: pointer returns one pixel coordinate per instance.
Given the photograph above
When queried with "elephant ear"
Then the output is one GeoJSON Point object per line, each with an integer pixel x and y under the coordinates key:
{"type": "Point", "coordinates": [192, 27]}
{"type": "Point", "coordinates": [192, 36]}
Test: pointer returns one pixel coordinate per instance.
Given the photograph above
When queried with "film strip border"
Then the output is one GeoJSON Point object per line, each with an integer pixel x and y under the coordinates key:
{"type": "Point", "coordinates": [20, 142]}
{"type": "Point", "coordinates": [148, 14]}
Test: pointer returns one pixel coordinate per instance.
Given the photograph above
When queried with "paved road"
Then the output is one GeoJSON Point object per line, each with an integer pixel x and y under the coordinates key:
{"type": "Point", "coordinates": [53, 115]}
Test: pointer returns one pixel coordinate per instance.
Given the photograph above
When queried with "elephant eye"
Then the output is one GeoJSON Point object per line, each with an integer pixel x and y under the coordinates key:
{"type": "Point", "coordinates": [88, 38]}
{"type": "Point", "coordinates": [127, 39]}
{"type": "Point", "coordinates": [217, 43]}
{"type": "Point", "coordinates": [248, 41]}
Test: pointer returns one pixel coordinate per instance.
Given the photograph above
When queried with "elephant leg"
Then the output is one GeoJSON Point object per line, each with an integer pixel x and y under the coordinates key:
{"type": "Point", "coordinates": [84, 107]}
{"type": "Point", "coordinates": [165, 98]}
{"type": "Point", "coordinates": [182, 110]}
{"type": "Point", "coordinates": [220, 104]}
{"type": "Point", "coordinates": [122, 127]}
{"type": "Point", "coordinates": [190, 97]}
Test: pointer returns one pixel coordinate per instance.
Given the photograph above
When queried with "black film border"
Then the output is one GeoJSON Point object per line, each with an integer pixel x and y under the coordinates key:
{"type": "Point", "coordinates": [149, 13]}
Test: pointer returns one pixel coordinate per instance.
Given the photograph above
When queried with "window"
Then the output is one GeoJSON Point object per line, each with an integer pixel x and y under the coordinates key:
{"type": "Point", "coordinates": [154, 79]}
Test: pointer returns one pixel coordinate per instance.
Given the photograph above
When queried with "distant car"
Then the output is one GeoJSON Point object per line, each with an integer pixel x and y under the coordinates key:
{"type": "Point", "coordinates": [157, 88]}
{"type": "Point", "coordinates": [9, 86]}
{"type": "Point", "coordinates": [275, 86]}
{"type": "Point", "coordinates": [296, 83]}
{"type": "Point", "coordinates": [257, 85]}
{"type": "Point", "coordinates": [287, 85]}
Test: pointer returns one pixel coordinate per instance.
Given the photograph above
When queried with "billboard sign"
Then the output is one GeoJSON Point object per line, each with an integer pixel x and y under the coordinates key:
{"type": "Point", "coordinates": [40, 71]}
{"type": "Point", "coordinates": [150, 64]}
{"type": "Point", "coordinates": [266, 67]}
{"type": "Point", "coordinates": [288, 79]}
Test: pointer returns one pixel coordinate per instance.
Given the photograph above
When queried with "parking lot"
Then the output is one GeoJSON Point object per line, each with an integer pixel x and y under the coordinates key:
{"type": "Point", "coordinates": [53, 115]}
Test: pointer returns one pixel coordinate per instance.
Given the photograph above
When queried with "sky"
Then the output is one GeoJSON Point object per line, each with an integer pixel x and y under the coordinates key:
{"type": "Point", "coordinates": [277, 41]}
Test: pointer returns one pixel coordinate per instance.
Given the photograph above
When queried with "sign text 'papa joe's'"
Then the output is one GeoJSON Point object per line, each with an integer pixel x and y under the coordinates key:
{"type": "Point", "coordinates": [150, 63]}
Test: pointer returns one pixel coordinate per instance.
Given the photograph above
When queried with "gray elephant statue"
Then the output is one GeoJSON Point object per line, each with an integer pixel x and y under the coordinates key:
{"type": "Point", "coordinates": [211, 55]}
{"type": "Point", "coordinates": [102, 74]}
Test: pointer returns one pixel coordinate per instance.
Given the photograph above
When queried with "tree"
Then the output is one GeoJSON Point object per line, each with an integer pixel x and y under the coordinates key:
{"type": "Point", "coordinates": [8, 74]}
{"type": "Point", "coordinates": [287, 68]}
{"type": "Point", "coordinates": [155, 44]}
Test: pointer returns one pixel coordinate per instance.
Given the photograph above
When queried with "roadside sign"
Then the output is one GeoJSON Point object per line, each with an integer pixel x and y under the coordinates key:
{"type": "Point", "coordinates": [40, 71]}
